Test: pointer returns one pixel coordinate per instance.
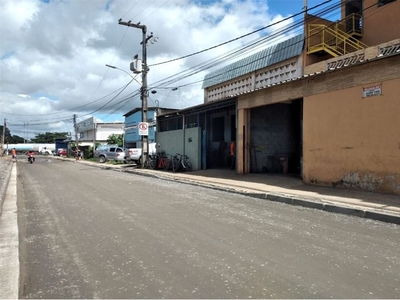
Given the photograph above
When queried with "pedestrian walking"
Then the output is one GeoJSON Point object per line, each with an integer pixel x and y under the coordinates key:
{"type": "Point", "coordinates": [13, 153]}
{"type": "Point", "coordinates": [77, 153]}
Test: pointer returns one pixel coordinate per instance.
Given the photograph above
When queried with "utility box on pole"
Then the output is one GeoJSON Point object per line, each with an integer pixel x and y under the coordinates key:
{"type": "Point", "coordinates": [136, 66]}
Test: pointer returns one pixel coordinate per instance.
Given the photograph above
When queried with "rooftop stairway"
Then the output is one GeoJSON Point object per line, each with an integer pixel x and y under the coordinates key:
{"type": "Point", "coordinates": [337, 39]}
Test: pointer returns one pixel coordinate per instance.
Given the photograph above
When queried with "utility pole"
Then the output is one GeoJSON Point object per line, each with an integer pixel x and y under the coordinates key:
{"type": "Point", "coordinates": [94, 134]}
{"type": "Point", "coordinates": [3, 136]}
{"type": "Point", "coordinates": [305, 9]}
{"type": "Point", "coordinates": [76, 133]}
{"type": "Point", "coordinates": [144, 91]}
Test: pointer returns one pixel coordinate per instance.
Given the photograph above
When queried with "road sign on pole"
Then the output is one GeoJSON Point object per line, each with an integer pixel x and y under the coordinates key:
{"type": "Point", "coordinates": [143, 128]}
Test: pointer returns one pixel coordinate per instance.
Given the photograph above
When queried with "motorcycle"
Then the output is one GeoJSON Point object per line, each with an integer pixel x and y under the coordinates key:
{"type": "Point", "coordinates": [31, 158]}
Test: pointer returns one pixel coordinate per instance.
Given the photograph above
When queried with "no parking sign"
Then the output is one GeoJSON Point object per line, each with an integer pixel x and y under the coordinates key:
{"type": "Point", "coordinates": [143, 128]}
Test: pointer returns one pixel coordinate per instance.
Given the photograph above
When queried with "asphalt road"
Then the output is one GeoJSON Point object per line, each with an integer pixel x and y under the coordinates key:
{"type": "Point", "coordinates": [92, 233]}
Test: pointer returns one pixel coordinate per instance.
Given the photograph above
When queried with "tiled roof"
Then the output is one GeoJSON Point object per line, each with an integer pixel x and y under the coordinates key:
{"type": "Point", "coordinates": [290, 48]}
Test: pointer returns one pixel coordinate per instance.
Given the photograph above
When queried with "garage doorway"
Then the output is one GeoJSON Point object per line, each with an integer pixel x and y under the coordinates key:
{"type": "Point", "coordinates": [276, 138]}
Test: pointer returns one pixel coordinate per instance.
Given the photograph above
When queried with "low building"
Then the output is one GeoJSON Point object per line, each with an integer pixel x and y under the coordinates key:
{"type": "Point", "coordinates": [323, 105]}
{"type": "Point", "coordinates": [92, 131]}
{"type": "Point", "coordinates": [132, 139]}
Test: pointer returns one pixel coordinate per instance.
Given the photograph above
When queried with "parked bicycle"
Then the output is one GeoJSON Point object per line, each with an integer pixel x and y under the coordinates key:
{"type": "Point", "coordinates": [181, 163]}
{"type": "Point", "coordinates": [151, 162]}
{"type": "Point", "coordinates": [164, 161]}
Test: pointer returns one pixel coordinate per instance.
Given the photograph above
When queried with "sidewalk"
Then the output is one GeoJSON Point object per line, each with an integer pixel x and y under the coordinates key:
{"type": "Point", "coordinates": [281, 188]}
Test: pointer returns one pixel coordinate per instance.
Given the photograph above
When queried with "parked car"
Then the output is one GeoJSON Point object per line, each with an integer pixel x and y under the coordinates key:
{"type": "Point", "coordinates": [45, 151]}
{"type": "Point", "coordinates": [62, 152]}
{"type": "Point", "coordinates": [120, 156]}
{"type": "Point", "coordinates": [109, 152]}
{"type": "Point", "coordinates": [135, 154]}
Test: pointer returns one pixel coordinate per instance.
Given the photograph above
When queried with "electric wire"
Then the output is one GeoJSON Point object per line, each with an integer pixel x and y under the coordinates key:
{"type": "Point", "coordinates": [211, 62]}
{"type": "Point", "coordinates": [90, 113]}
{"type": "Point", "coordinates": [214, 62]}
{"type": "Point", "coordinates": [234, 53]}
{"type": "Point", "coordinates": [237, 38]}
{"type": "Point", "coordinates": [130, 8]}
{"type": "Point", "coordinates": [168, 82]}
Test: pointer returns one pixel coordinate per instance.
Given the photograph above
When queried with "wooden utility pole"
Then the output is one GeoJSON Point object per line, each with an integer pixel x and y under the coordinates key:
{"type": "Point", "coordinates": [3, 137]}
{"type": "Point", "coordinates": [76, 133]}
{"type": "Point", "coordinates": [94, 134]}
{"type": "Point", "coordinates": [144, 91]}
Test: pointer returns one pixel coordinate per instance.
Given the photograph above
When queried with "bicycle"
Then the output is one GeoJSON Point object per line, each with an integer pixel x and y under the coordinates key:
{"type": "Point", "coordinates": [151, 162]}
{"type": "Point", "coordinates": [181, 163]}
{"type": "Point", "coordinates": [164, 162]}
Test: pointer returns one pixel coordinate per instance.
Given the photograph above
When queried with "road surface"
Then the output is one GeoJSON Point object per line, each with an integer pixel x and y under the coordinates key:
{"type": "Point", "coordinates": [86, 232]}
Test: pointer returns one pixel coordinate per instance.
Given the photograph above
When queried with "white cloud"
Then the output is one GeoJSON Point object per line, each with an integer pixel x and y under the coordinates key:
{"type": "Point", "coordinates": [53, 55]}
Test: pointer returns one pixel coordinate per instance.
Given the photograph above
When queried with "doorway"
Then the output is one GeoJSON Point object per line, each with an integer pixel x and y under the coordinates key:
{"type": "Point", "coordinates": [276, 138]}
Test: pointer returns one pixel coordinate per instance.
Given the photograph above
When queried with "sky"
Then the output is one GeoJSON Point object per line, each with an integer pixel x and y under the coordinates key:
{"type": "Point", "coordinates": [53, 54]}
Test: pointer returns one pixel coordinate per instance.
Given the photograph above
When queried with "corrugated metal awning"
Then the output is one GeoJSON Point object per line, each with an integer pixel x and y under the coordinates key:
{"type": "Point", "coordinates": [290, 48]}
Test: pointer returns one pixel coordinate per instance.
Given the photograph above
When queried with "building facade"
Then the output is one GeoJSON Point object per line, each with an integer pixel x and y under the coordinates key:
{"type": "Point", "coordinates": [329, 112]}
{"type": "Point", "coordinates": [92, 131]}
{"type": "Point", "coordinates": [132, 139]}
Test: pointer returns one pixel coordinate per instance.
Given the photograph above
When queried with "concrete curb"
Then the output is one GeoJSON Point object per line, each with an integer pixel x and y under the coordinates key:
{"type": "Point", "coordinates": [3, 187]}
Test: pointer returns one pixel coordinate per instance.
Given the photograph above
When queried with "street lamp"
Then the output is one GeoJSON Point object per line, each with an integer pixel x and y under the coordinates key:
{"type": "Point", "coordinates": [114, 67]}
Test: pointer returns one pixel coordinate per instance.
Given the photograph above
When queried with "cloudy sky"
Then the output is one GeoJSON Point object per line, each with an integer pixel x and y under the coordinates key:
{"type": "Point", "coordinates": [53, 54]}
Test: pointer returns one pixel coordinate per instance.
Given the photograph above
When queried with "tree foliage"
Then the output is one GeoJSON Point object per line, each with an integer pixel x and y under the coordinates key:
{"type": "Point", "coordinates": [115, 139]}
{"type": "Point", "coordinates": [15, 139]}
{"type": "Point", "coordinates": [7, 134]}
{"type": "Point", "coordinates": [49, 137]}
{"type": "Point", "coordinates": [8, 138]}
{"type": "Point", "coordinates": [45, 138]}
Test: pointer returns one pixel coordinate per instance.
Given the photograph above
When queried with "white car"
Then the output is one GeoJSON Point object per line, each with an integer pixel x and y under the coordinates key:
{"type": "Point", "coordinates": [119, 156]}
{"type": "Point", "coordinates": [135, 154]}
{"type": "Point", "coordinates": [45, 151]}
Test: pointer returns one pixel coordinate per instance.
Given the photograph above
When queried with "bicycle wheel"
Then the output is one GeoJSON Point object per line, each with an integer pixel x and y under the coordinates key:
{"type": "Point", "coordinates": [175, 165]}
{"type": "Point", "coordinates": [167, 164]}
{"type": "Point", "coordinates": [188, 166]}
{"type": "Point", "coordinates": [151, 163]}
{"type": "Point", "coordinates": [146, 164]}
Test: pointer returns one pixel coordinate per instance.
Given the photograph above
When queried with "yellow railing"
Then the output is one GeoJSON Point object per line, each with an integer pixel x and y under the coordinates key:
{"type": "Point", "coordinates": [332, 40]}
{"type": "Point", "coordinates": [352, 25]}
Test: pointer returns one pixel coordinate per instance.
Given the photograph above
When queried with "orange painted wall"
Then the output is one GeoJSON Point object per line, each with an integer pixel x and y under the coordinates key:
{"type": "Point", "coordinates": [312, 59]}
{"type": "Point", "coordinates": [381, 23]}
{"type": "Point", "coordinates": [352, 141]}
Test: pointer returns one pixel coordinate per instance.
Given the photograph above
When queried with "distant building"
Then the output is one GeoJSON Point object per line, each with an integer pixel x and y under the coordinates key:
{"type": "Point", "coordinates": [132, 139]}
{"type": "Point", "coordinates": [91, 131]}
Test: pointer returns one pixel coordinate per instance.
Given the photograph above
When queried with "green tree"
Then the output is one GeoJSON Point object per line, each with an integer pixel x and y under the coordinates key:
{"type": "Point", "coordinates": [9, 138]}
{"type": "Point", "coordinates": [115, 139]}
{"type": "Point", "coordinates": [15, 139]}
{"type": "Point", "coordinates": [7, 135]}
{"type": "Point", "coordinates": [49, 137]}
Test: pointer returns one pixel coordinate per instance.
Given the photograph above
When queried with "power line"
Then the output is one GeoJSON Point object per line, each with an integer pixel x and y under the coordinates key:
{"type": "Point", "coordinates": [201, 67]}
{"type": "Point", "coordinates": [238, 38]}
{"type": "Point", "coordinates": [182, 75]}
{"type": "Point", "coordinates": [235, 53]}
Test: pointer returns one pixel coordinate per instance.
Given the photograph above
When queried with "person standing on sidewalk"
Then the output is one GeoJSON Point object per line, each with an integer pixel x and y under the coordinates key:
{"type": "Point", "coordinates": [232, 149]}
{"type": "Point", "coordinates": [77, 153]}
{"type": "Point", "coordinates": [13, 153]}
